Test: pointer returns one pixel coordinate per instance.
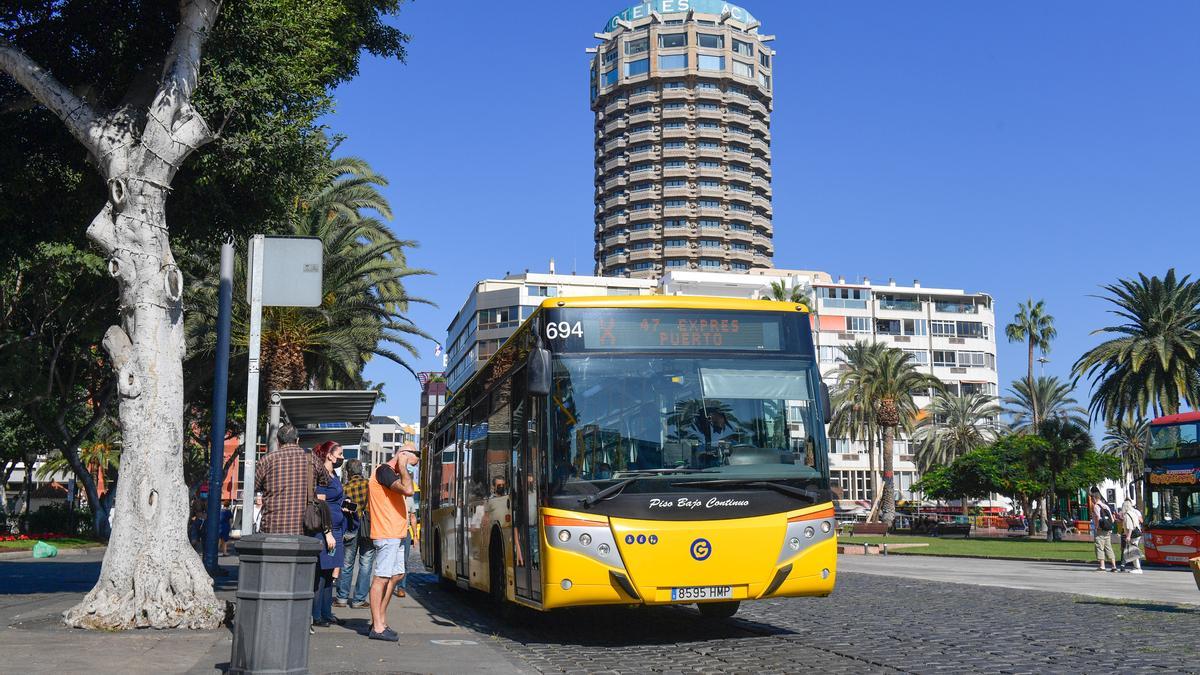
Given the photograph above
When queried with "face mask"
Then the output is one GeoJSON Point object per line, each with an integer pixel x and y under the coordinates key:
{"type": "Point", "coordinates": [337, 463]}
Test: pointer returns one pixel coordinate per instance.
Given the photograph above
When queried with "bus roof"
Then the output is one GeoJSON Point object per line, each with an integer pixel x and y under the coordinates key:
{"type": "Point", "coordinates": [673, 302]}
{"type": "Point", "coordinates": [1177, 419]}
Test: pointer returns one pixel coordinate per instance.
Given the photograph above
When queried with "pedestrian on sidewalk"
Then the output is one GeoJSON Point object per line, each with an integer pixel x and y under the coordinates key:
{"type": "Point", "coordinates": [1103, 523]}
{"type": "Point", "coordinates": [390, 484]}
{"type": "Point", "coordinates": [283, 478]}
{"type": "Point", "coordinates": [327, 457]}
{"type": "Point", "coordinates": [1131, 519]}
{"type": "Point", "coordinates": [411, 507]}
{"type": "Point", "coordinates": [360, 552]}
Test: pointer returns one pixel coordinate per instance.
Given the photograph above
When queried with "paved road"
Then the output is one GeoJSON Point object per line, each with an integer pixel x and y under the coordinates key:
{"type": "Point", "coordinates": [1165, 585]}
{"type": "Point", "coordinates": [872, 623]}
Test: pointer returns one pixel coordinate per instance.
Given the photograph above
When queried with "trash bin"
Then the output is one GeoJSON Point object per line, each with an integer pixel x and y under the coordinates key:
{"type": "Point", "coordinates": [274, 603]}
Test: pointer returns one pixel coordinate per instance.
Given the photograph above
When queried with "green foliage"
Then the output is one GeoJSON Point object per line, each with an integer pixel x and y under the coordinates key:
{"type": "Point", "coordinates": [781, 292]}
{"type": "Point", "coordinates": [267, 78]}
{"type": "Point", "coordinates": [1129, 441]}
{"type": "Point", "coordinates": [937, 483]}
{"type": "Point", "coordinates": [1090, 469]}
{"type": "Point", "coordinates": [954, 425]}
{"type": "Point", "coordinates": [1033, 325]}
{"type": "Point", "coordinates": [1048, 398]}
{"type": "Point", "coordinates": [1154, 362]}
{"type": "Point", "coordinates": [58, 519]}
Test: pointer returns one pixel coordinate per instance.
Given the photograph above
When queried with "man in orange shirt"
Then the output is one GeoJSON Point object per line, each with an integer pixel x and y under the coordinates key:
{"type": "Point", "coordinates": [390, 484]}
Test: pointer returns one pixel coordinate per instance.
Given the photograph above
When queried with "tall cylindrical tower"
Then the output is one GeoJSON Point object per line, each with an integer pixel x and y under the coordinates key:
{"type": "Point", "coordinates": [681, 90]}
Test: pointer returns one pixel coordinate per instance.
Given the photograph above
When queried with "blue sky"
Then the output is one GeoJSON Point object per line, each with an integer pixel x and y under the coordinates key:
{"type": "Point", "coordinates": [1017, 148]}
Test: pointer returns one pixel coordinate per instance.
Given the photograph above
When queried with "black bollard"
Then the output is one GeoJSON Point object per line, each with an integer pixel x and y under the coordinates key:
{"type": "Point", "coordinates": [274, 603]}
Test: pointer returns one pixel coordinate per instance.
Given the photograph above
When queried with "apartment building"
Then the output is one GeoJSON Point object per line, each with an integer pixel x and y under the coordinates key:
{"type": "Point", "coordinates": [682, 96]}
{"type": "Point", "coordinates": [495, 307]}
{"type": "Point", "coordinates": [950, 333]}
{"type": "Point", "coordinates": [382, 436]}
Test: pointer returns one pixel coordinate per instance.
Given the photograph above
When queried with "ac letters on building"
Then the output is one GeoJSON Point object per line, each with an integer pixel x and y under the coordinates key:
{"type": "Point", "coordinates": [643, 10]}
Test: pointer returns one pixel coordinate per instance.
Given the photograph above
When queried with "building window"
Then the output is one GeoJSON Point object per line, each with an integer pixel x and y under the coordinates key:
{"type": "Point", "coordinates": [708, 41]}
{"type": "Point", "coordinates": [710, 183]}
{"type": "Point", "coordinates": [739, 246]}
{"type": "Point", "coordinates": [710, 224]}
{"type": "Point", "coordinates": [636, 227]}
{"type": "Point", "coordinates": [710, 204]}
{"type": "Point", "coordinates": [764, 80]}
{"type": "Point", "coordinates": [739, 227]}
{"type": "Point", "coordinates": [639, 67]}
{"type": "Point", "coordinates": [709, 164]}
{"type": "Point", "coordinates": [830, 354]}
{"type": "Point", "coordinates": [944, 358]}
{"type": "Point", "coordinates": [708, 124]}
{"type": "Point", "coordinates": [676, 263]}
{"type": "Point", "coordinates": [610, 77]}
{"type": "Point", "coordinates": [673, 124]}
{"type": "Point", "coordinates": [743, 69]}
{"type": "Point", "coordinates": [675, 203]}
{"type": "Point", "coordinates": [669, 40]}
{"type": "Point", "coordinates": [740, 207]}
{"type": "Point", "coordinates": [542, 291]}
{"type": "Point", "coordinates": [638, 46]}
{"type": "Point", "coordinates": [642, 206]}
{"type": "Point", "coordinates": [673, 145]}
{"type": "Point", "coordinates": [709, 145]}
{"type": "Point", "coordinates": [709, 62]}
{"type": "Point", "coordinates": [675, 183]}
{"type": "Point", "coordinates": [610, 55]}
{"type": "Point", "coordinates": [710, 243]}
{"type": "Point", "coordinates": [970, 329]}
{"type": "Point", "coordinates": [858, 324]}
{"type": "Point", "coordinates": [640, 186]}
{"type": "Point", "coordinates": [764, 59]}
{"type": "Point", "coordinates": [676, 243]}
{"type": "Point", "coordinates": [707, 86]}
{"type": "Point", "coordinates": [739, 266]}
{"type": "Point", "coordinates": [500, 317]}
{"type": "Point", "coordinates": [705, 105]}
{"type": "Point", "coordinates": [743, 48]}
{"type": "Point", "coordinates": [673, 85]}
{"type": "Point", "coordinates": [642, 266]}
{"type": "Point", "coordinates": [642, 246]}
{"type": "Point", "coordinates": [672, 62]}
{"type": "Point", "coordinates": [486, 348]}
{"type": "Point", "coordinates": [674, 223]}
{"type": "Point", "coordinates": [919, 356]}
{"type": "Point", "coordinates": [709, 263]}
{"type": "Point", "coordinates": [941, 328]}
{"type": "Point", "coordinates": [673, 105]}
{"type": "Point", "coordinates": [644, 166]}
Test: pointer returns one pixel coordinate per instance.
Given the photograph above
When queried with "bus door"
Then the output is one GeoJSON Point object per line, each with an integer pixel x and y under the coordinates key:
{"type": "Point", "coordinates": [463, 480]}
{"type": "Point", "coordinates": [526, 458]}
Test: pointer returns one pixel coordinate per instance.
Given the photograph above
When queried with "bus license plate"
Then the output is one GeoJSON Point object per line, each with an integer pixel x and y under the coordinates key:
{"type": "Point", "coordinates": [702, 592]}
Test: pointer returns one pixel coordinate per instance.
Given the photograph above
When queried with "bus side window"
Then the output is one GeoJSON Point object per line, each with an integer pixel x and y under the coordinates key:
{"type": "Point", "coordinates": [499, 440]}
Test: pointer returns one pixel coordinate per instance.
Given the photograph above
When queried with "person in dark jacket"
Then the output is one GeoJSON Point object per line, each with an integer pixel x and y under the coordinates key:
{"type": "Point", "coordinates": [326, 458]}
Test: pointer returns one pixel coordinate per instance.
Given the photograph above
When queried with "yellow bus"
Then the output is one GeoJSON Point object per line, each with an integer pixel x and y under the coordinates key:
{"type": "Point", "coordinates": [637, 450]}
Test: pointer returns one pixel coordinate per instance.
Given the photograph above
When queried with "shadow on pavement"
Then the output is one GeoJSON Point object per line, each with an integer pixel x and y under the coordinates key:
{"type": "Point", "coordinates": [26, 577]}
{"type": "Point", "coordinates": [605, 626]}
{"type": "Point", "coordinates": [1147, 606]}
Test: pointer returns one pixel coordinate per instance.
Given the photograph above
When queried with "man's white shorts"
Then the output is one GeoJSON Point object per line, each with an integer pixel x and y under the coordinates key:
{"type": "Point", "coordinates": [389, 557]}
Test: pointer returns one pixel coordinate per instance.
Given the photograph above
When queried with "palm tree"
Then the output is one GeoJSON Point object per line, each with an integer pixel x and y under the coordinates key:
{"type": "Point", "coordinates": [1033, 326]}
{"type": "Point", "coordinates": [893, 379]}
{"type": "Point", "coordinates": [953, 426]}
{"type": "Point", "coordinates": [1066, 443]}
{"type": "Point", "coordinates": [853, 415]}
{"type": "Point", "coordinates": [1049, 396]}
{"type": "Point", "coordinates": [362, 313]}
{"type": "Point", "coordinates": [1129, 441]}
{"type": "Point", "coordinates": [781, 292]}
{"type": "Point", "coordinates": [1154, 363]}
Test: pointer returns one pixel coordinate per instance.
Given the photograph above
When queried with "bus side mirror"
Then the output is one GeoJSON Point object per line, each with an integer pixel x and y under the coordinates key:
{"type": "Point", "coordinates": [826, 405]}
{"type": "Point", "coordinates": [537, 371]}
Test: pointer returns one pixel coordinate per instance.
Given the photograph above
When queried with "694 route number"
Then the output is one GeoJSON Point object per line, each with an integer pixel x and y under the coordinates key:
{"type": "Point", "coordinates": [561, 330]}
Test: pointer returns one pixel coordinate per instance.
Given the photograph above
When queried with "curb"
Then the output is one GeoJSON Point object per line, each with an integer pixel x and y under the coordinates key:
{"type": "Point", "coordinates": [62, 553]}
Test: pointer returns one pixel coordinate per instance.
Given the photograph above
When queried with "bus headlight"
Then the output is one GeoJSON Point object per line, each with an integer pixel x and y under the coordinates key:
{"type": "Point", "coordinates": [804, 531]}
{"type": "Point", "coordinates": [585, 539]}
{"type": "Point", "coordinates": [809, 532]}
{"type": "Point", "coordinates": [591, 538]}
{"type": "Point", "coordinates": [603, 549]}
{"type": "Point", "coordinates": [825, 527]}
{"type": "Point", "coordinates": [564, 536]}
{"type": "Point", "coordinates": [794, 543]}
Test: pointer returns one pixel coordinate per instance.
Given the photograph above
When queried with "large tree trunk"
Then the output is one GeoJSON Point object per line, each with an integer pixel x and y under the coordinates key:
{"type": "Point", "coordinates": [151, 577]}
{"type": "Point", "coordinates": [888, 498]}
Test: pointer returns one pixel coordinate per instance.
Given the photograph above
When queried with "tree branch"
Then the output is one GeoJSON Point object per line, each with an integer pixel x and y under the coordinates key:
{"type": "Point", "coordinates": [75, 113]}
{"type": "Point", "coordinates": [181, 69]}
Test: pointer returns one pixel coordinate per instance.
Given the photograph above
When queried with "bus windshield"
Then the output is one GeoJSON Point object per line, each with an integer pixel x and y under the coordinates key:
{"type": "Point", "coordinates": [660, 417]}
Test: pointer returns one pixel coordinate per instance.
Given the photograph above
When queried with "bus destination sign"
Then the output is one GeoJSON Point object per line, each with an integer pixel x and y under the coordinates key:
{"type": "Point", "coordinates": [682, 330]}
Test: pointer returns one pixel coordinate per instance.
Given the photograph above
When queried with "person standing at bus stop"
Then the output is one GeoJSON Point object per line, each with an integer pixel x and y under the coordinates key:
{"type": "Point", "coordinates": [1103, 523]}
{"type": "Point", "coordinates": [390, 484]}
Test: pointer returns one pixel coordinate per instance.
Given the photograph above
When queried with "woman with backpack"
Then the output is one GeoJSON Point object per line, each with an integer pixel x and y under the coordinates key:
{"type": "Point", "coordinates": [1103, 524]}
{"type": "Point", "coordinates": [1131, 520]}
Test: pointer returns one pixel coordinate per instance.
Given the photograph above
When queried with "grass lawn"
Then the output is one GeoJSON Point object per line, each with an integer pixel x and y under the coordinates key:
{"type": "Point", "coordinates": [70, 542]}
{"type": "Point", "coordinates": [990, 548]}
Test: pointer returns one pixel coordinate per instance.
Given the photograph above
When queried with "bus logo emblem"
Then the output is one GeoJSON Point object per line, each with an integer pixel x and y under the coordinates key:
{"type": "Point", "coordinates": [629, 539]}
{"type": "Point", "coordinates": [701, 549]}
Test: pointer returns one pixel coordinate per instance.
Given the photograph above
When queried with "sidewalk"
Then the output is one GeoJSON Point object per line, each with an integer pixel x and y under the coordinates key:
{"type": "Point", "coordinates": [1157, 586]}
{"type": "Point", "coordinates": [33, 594]}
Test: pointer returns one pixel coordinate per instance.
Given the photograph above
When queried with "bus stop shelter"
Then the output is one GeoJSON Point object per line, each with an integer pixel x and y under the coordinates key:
{"type": "Point", "coordinates": [319, 416]}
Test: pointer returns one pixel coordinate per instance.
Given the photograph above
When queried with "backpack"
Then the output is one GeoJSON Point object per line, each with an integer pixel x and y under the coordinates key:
{"type": "Point", "coordinates": [1105, 522]}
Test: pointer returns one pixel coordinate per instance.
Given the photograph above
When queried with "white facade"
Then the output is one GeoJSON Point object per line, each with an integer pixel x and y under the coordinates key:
{"type": "Point", "coordinates": [951, 334]}
{"type": "Point", "coordinates": [496, 307]}
{"type": "Point", "coordinates": [383, 435]}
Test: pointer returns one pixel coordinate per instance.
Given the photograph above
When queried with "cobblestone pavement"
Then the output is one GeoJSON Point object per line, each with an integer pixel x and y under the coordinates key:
{"type": "Point", "coordinates": [872, 624]}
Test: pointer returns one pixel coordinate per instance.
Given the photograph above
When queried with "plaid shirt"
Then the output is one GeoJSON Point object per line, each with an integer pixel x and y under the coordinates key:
{"type": "Point", "coordinates": [356, 491]}
{"type": "Point", "coordinates": [283, 477]}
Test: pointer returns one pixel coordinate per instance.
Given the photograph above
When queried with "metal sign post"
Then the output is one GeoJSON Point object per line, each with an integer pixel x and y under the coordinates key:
{"type": "Point", "coordinates": [254, 289]}
{"type": "Point", "coordinates": [282, 272]}
{"type": "Point", "coordinates": [220, 404]}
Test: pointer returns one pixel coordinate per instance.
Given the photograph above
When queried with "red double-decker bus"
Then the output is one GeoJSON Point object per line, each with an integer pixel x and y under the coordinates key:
{"type": "Point", "coordinates": [1173, 489]}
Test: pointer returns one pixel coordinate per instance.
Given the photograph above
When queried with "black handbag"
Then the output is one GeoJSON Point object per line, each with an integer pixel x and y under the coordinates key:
{"type": "Point", "coordinates": [316, 512]}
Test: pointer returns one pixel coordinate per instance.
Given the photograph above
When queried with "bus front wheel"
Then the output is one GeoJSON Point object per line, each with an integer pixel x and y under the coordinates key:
{"type": "Point", "coordinates": [496, 582]}
{"type": "Point", "coordinates": [718, 610]}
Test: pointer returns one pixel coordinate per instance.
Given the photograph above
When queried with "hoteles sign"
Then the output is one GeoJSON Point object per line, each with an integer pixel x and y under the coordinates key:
{"type": "Point", "coordinates": [644, 9]}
